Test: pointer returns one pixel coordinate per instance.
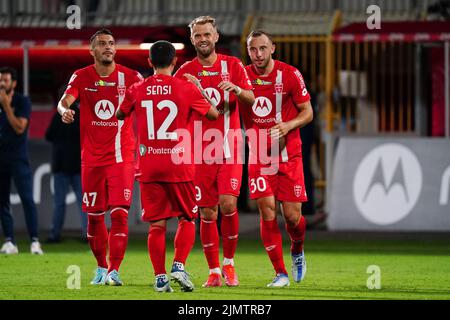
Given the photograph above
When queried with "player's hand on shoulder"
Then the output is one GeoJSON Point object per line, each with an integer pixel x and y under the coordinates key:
{"type": "Point", "coordinates": [68, 116]}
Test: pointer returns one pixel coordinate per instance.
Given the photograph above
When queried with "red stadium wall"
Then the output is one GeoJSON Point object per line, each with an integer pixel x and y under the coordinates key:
{"type": "Point", "coordinates": [438, 92]}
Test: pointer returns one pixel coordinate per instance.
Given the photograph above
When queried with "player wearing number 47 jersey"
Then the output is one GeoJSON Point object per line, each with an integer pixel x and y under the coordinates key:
{"type": "Point", "coordinates": [218, 176]}
{"type": "Point", "coordinates": [107, 152]}
{"type": "Point", "coordinates": [165, 108]}
{"type": "Point", "coordinates": [282, 106]}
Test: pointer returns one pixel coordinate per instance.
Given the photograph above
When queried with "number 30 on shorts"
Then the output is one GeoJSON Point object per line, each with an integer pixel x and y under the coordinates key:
{"type": "Point", "coordinates": [89, 199]}
{"type": "Point", "coordinates": [258, 184]}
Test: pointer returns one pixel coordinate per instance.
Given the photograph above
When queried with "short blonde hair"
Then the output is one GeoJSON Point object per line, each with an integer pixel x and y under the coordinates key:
{"type": "Point", "coordinates": [203, 20]}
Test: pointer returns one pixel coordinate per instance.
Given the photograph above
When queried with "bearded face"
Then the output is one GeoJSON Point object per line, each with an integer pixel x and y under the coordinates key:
{"type": "Point", "coordinates": [204, 38]}
{"type": "Point", "coordinates": [6, 83]}
{"type": "Point", "coordinates": [103, 49]}
{"type": "Point", "coordinates": [260, 50]}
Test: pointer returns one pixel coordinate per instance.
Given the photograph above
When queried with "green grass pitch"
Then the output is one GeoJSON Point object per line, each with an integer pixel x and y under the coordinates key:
{"type": "Point", "coordinates": [337, 269]}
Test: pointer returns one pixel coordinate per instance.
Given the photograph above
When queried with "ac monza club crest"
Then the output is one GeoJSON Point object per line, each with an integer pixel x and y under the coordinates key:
{"type": "Point", "coordinates": [225, 77]}
{"type": "Point", "coordinates": [298, 191]}
{"type": "Point", "coordinates": [234, 183]}
{"type": "Point", "coordinates": [127, 194]}
{"type": "Point", "coordinates": [121, 90]}
{"type": "Point", "coordinates": [279, 88]}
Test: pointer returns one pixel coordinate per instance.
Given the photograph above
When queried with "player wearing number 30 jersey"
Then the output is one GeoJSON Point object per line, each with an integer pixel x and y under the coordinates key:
{"type": "Point", "coordinates": [282, 107]}
{"type": "Point", "coordinates": [107, 152]}
{"type": "Point", "coordinates": [165, 108]}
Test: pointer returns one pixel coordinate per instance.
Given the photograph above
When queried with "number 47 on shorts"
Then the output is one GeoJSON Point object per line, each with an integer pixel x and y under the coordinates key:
{"type": "Point", "coordinates": [89, 198]}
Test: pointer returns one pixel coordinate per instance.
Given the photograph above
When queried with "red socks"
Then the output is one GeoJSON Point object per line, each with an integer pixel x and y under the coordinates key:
{"type": "Point", "coordinates": [97, 235]}
{"type": "Point", "coordinates": [184, 240]}
{"type": "Point", "coordinates": [210, 241]}
{"type": "Point", "coordinates": [271, 237]}
{"type": "Point", "coordinates": [230, 232]}
{"type": "Point", "coordinates": [297, 235]}
{"type": "Point", "coordinates": [117, 240]}
{"type": "Point", "coordinates": [118, 237]}
{"type": "Point", "coordinates": [157, 248]}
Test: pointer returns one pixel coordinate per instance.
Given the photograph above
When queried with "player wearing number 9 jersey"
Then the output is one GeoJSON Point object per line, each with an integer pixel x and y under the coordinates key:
{"type": "Point", "coordinates": [282, 107]}
{"type": "Point", "coordinates": [219, 175]}
{"type": "Point", "coordinates": [107, 152]}
{"type": "Point", "coordinates": [165, 108]}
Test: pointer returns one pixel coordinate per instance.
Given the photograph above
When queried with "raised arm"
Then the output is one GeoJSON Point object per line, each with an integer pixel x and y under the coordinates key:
{"type": "Point", "coordinates": [244, 96]}
{"type": "Point", "coordinates": [212, 114]}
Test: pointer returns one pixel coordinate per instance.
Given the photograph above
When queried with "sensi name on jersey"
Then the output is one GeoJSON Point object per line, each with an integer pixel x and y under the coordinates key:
{"type": "Point", "coordinates": [159, 90]}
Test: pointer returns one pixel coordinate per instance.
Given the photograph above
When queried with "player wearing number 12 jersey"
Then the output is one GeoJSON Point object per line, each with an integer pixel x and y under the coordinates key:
{"type": "Point", "coordinates": [282, 106]}
{"type": "Point", "coordinates": [218, 181]}
{"type": "Point", "coordinates": [107, 152]}
{"type": "Point", "coordinates": [165, 108]}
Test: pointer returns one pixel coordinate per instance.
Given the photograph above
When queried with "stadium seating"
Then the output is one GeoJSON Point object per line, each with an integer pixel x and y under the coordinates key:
{"type": "Point", "coordinates": [305, 17]}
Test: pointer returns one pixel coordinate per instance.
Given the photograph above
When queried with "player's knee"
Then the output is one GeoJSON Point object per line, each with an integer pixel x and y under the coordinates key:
{"type": "Point", "coordinates": [96, 217]}
{"type": "Point", "coordinates": [209, 214]}
{"type": "Point", "coordinates": [268, 216]}
{"type": "Point", "coordinates": [161, 224]}
{"type": "Point", "coordinates": [228, 206]}
{"type": "Point", "coordinates": [184, 221]}
{"type": "Point", "coordinates": [268, 213]}
{"type": "Point", "coordinates": [293, 220]}
{"type": "Point", "coordinates": [119, 216]}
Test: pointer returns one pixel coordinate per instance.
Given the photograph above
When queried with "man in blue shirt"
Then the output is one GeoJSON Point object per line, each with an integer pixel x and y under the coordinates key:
{"type": "Point", "coordinates": [15, 110]}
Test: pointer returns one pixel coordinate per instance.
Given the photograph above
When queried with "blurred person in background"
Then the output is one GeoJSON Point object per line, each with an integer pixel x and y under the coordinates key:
{"type": "Point", "coordinates": [15, 110]}
{"type": "Point", "coordinates": [66, 171]}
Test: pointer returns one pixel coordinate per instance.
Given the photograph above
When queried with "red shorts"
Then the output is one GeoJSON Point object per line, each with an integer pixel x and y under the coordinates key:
{"type": "Point", "coordinates": [107, 187]}
{"type": "Point", "coordinates": [212, 180]}
{"type": "Point", "coordinates": [162, 201]}
{"type": "Point", "coordinates": [287, 184]}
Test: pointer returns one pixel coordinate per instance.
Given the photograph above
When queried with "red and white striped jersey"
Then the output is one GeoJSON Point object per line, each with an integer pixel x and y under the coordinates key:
{"type": "Point", "coordinates": [226, 68]}
{"type": "Point", "coordinates": [104, 139]}
{"type": "Point", "coordinates": [277, 95]}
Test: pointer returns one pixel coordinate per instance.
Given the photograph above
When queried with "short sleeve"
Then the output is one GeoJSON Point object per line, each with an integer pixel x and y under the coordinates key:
{"type": "Point", "coordinates": [74, 85]}
{"type": "Point", "coordinates": [128, 102]}
{"type": "Point", "coordinates": [198, 102]}
{"type": "Point", "coordinates": [240, 76]}
{"type": "Point", "coordinates": [24, 110]}
{"type": "Point", "coordinates": [299, 92]}
{"type": "Point", "coordinates": [138, 77]}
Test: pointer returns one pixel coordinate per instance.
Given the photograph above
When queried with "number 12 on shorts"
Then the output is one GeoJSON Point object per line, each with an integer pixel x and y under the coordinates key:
{"type": "Point", "coordinates": [89, 196]}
